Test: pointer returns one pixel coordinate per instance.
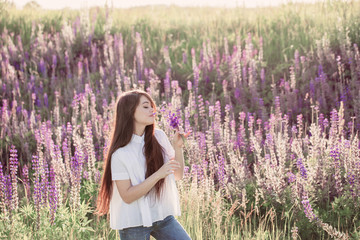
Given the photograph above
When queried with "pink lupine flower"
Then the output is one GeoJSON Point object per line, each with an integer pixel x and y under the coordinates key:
{"type": "Point", "coordinates": [309, 212]}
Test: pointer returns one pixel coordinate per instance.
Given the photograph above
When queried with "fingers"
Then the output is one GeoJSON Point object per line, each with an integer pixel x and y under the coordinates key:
{"type": "Point", "coordinates": [177, 134]}
{"type": "Point", "coordinates": [169, 167]}
{"type": "Point", "coordinates": [187, 134]}
{"type": "Point", "coordinates": [173, 163]}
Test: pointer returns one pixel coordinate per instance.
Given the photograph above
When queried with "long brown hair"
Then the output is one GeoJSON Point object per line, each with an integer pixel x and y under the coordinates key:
{"type": "Point", "coordinates": [122, 131]}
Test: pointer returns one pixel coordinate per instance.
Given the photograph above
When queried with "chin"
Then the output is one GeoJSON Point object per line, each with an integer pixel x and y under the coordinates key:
{"type": "Point", "coordinates": [150, 123]}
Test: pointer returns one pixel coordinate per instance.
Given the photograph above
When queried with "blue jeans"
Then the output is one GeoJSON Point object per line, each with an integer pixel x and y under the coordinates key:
{"type": "Point", "coordinates": [167, 229]}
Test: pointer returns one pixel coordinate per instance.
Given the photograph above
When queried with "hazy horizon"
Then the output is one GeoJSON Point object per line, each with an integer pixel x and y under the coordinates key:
{"type": "Point", "coordinates": [77, 4]}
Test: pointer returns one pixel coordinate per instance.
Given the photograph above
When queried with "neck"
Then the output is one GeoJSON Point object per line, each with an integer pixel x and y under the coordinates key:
{"type": "Point", "coordinates": [139, 130]}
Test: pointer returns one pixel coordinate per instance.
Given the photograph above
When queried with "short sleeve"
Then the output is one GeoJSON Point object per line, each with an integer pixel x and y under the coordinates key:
{"type": "Point", "coordinates": [118, 169]}
{"type": "Point", "coordinates": [165, 143]}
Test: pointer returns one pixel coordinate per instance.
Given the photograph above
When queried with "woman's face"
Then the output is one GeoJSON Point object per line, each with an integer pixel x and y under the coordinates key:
{"type": "Point", "coordinates": [144, 112]}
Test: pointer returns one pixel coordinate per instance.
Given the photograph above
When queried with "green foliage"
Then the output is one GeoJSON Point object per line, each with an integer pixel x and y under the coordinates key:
{"type": "Point", "coordinates": [25, 145]}
{"type": "Point", "coordinates": [69, 224]}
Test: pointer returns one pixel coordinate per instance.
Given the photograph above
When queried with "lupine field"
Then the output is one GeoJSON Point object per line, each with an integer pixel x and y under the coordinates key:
{"type": "Point", "coordinates": [271, 97]}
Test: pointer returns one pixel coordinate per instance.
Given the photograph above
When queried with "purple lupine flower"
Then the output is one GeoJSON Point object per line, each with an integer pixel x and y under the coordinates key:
{"type": "Point", "coordinates": [76, 169]}
{"type": "Point", "coordinates": [269, 139]}
{"type": "Point", "coordinates": [299, 119]}
{"type": "Point", "coordinates": [186, 170]}
{"type": "Point", "coordinates": [86, 175]}
{"type": "Point", "coordinates": [42, 68]}
{"type": "Point", "coordinates": [196, 171]}
{"type": "Point", "coordinates": [8, 191]}
{"type": "Point", "coordinates": [174, 84]}
{"type": "Point", "coordinates": [334, 120]}
{"type": "Point", "coordinates": [250, 120]}
{"type": "Point", "coordinates": [174, 121]}
{"type": "Point", "coordinates": [211, 111]}
{"type": "Point", "coordinates": [202, 142]}
{"type": "Point", "coordinates": [189, 85]}
{"type": "Point", "coordinates": [2, 190]}
{"type": "Point", "coordinates": [334, 117]}
{"type": "Point", "coordinates": [261, 102]}
{"type": "Point", "coordinates": [45, 183]}
{"type": "Point", "coordinates": [267, 126]}
{"type": "Point", "coordinates": [277, 104]}
{"type": "Point", "coordinates": [53, 195]}
{"type": "Point", "coordinates": [308, 210]}
{"type": "Point", "coordinates": [303, 60]}
{"type": "Point", "coordinates": [242, 116]}
{"type": "Point", "coordinates": [201, 56]}
{"type": "Point", "coordinates": [97, 177]}
{"type": "Point", "coordinates": [237, 93]}
{"type": "Point", "coordinates": [14, 163]}
{"type": "Point", "coordinates": [37, 190]}
{"type": "Point", "coordinates": [54, 60]}
{"type": "Point", "coordinates": [351, 181]}
{"type": "Point", "coordinates": [46, 101]}
{"type": "Point", "coordinates": [335, 154]}
{"type": "Point", "coordinates": [321, 121]}
{"type": "Point", "coordinates": [291, 177]}
{"type": "Point", "coordinates": [302, 169]}
{"type": "Point", "coordinates": [69, 129]}
{"type": "Point", "coordinates": [18, 109]}
{"type": "Point", "coordinates": [221, 171]}
{"type": "Point", "coordinates": [240, 141]}
{"type": "Point", "coordinates": [350, 126]}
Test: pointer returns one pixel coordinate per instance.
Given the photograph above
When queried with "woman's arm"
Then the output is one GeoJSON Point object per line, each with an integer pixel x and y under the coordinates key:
{"type": "Point", "coordinates": [130, 193]}
{"type": "Point", "coordinates": [179, 156]}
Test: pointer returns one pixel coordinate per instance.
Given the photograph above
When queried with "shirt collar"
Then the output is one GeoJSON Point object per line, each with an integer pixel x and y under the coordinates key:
{"type": "Point", "coordinates": [137, 138]}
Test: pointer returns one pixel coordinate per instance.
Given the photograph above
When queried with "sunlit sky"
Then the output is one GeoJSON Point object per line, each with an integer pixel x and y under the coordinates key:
{"type": "Point", "coordinates": [76, 4]}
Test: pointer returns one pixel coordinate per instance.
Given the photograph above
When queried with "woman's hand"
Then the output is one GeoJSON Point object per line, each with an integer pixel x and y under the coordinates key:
{"type": "Point", "coordinates": [178, 140]}
{"type": "Point", "coordinates": [168, 168]}
{"type": "Point", "coordinates": [130, 193]}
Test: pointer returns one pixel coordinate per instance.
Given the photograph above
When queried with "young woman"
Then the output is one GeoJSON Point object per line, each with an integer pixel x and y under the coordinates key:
{"type": "Point", "coordinates": [140, 169]}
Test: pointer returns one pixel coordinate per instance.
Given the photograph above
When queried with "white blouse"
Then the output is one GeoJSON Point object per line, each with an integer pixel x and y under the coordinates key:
{"type": "Point", "coordinates": [128, 162]}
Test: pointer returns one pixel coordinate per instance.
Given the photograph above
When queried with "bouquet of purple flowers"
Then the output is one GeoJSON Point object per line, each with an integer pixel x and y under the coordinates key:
{"type": "Point", "coordinates": [175, 124]}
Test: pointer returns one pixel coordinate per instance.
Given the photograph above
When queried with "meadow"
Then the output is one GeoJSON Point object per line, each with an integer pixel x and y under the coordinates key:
{"type": "Point", "coordinates": [271, 97]}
